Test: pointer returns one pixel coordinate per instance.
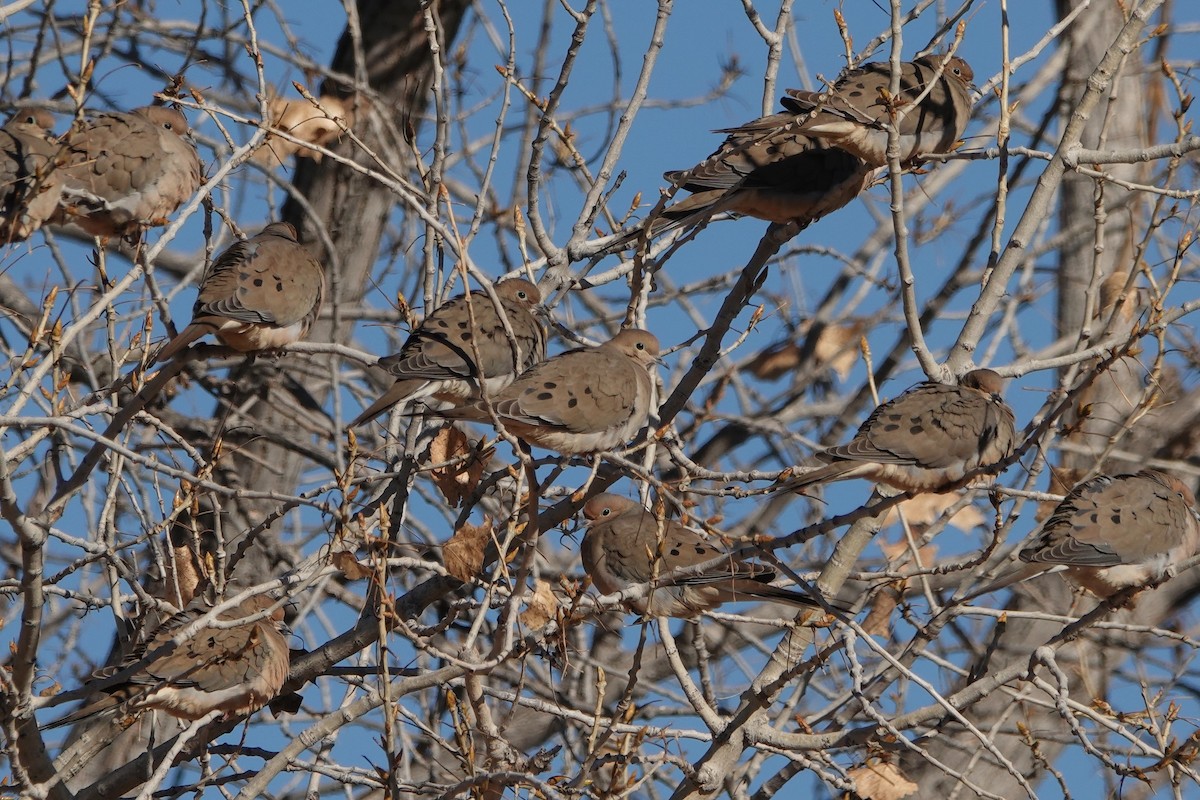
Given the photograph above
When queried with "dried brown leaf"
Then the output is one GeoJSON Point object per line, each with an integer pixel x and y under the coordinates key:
{"type": "Point", "coordinates": [345, 562]}
{"type": "Point", "coordinates": [305, 122]}
{"type": "Point", "coordinates": [879, 780]}
{"type": "Point", "coordinates": [463, 554]}
{"type": "Point", "coordinates": [837, 347]}
{"type": "Point", "coordinates": [925, 509]}
{"type": "Point", "coordinates": [459, 480]}
{"type": "Point", "coordinates": [542, 607]}
{"type": "Point", "coordinates": [879, 620]}
{"type": "Point", "coordinates": [1110, 292]}
{"type": "Point", "coordinates": [774, 362]}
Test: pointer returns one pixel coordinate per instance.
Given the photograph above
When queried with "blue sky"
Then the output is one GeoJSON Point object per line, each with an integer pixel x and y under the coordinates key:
{"type": "Point", "coordinates": [701, 37]}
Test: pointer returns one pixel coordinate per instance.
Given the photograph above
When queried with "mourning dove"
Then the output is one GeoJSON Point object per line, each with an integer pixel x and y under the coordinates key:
{"type": "Point", "coordinates": [767, 171]}
{"type": "Point", "coordinates": [581, 401]}
{"type": "Point", "coordinates": [854, 114]}
{"type": "Point", "coordinates": [261, 294]}
{"type": "Point", "coordinates": [125, 172]}
{"type": "Point", "coordinates": [439, 358]}
{"type": "Point", "coordinates": [625, 545]}
{"type": "Point", "coordinates": [925, 439]}
{"type": "Point", "coordinates": [29, 184]}
{"type": "Point", "coordinates": [235, 670]}
{"type": "Point", "coordinates": [783, 176]}
{"type": "Point", "coordinates": [1115, 532]}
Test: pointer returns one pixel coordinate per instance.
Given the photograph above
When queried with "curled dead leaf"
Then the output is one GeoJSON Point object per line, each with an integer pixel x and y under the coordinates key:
{"type": "Point", "coordinates": [894, 550]}
{"type": "Point", "coordinates": [836, 347]}
{"type": "Point", "coordinates": [542, 607]}
{"type": "Point", "coordinates": [458, 480]}
{"type": "Point", "coordinates": [880, 780]}
{"type": "Point", "coordinates": [879, 620]}
{"type": "Point", "coordinates": [304, 121]}
{"type": "Point", "coordinates": [924, 509]}
{"type": "Point", "coordinates": [463, 554]}
{"type": "Point", "coordinates": [775, 362]}
{"type": "Point", "coordinates": [345, 562]}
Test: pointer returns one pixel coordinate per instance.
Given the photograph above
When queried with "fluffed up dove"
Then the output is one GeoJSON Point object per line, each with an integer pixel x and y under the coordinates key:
{"type": "Point", "coordinates": [262, 293]}
{"type": "Point", "coordinates": [581, 401]}
{"type": "Point", "coordinates": [125, 172]}
{"type": "Point", "coordinates": [1116, 532]}
{"type": "Point", "coordinates": [853, 114]}
{"type": "Point", "coordinates": [235, 670]}
{"type": "Point", "coordinates": [439, 357]}
{"type": "Point", "coordinates": [623, 547]}
{"type": "Point", "coordinates": [926, 439]}
{"type": "Point", "coordinates": [29, 182]}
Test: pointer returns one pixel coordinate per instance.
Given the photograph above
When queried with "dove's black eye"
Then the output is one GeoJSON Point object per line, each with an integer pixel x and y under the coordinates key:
{"type": "Point", "coordinates": [641, 346]}
{"type": "Point", "coordinates": [522, 295]}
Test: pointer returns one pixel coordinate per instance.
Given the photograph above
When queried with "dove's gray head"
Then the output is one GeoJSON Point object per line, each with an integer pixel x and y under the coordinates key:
{"type": "Point", "coordinates": [37, 117]}
{"type": "Point", "coordinates": [519, 290]}
{"type": "Point", "coordinates": [169, 119]}
{"type": "Point", "coordinates": [955, 67]}
{"type": "Point", "coordinates": [284, 229]}
{"type": "Point", "coordinates": [985, 380]}
{"type": "Point", "coordinates": [637, 344]}
{"type": "Point", "coordinates": [1172, 483]}
{"type": "Point", "coordinates": [605, 506]}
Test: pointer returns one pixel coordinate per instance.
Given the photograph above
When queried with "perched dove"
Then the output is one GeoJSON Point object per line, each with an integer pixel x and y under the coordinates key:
{"type": "Point", "coordinates": [854, 113]}
{"type": "Point", "coordinates": [1119, 532]}
{"type": "Point", "coordinates": [581, 401]}
{"type": "Point", "coordinates": [261, 294]}
{"type": "Point", "coordinates": [438, 358]}
{"type": "Point", "coordinates": [624, 547]}
{"type": "Point", "coordinates": [779, 176]}
{"type": "Point", "coordinates": [125, 172]}
{"type": "Point", "coordinates": [235, 670]}
{"type": "Point", "coordinates": [927, 438]}
{"type": "Point", "coordinates": [765, 170]}
{"type": "Point", "coordinates": [29, 184]}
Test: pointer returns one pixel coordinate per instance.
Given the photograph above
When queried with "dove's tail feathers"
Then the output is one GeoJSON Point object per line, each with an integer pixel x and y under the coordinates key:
{"type": "Point", "coordinates": [744, 589]}
{"type": "Point", "coordinates": [185, 337]}
{"type": "Point", "coordinates": [400, 392]}
{"type": "Point", "coordinates": [839, 470]}
{"type": "Point", "coordinates": [105, 703]}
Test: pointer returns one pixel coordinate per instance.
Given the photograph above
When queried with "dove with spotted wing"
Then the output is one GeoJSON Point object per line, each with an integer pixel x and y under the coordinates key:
{"type": "Point", "coordinates": [462, 343]}
{"type": "Point", "coordinates": [783, 176]}
{"type": "Point", "coordinates": [926, 439]}
{"type": "Point", "coordinates": [625, 545]}
{"type": "Point", "coordinates": [1116, 532]}
{"type": "Point", "coordinates": [582, 401]}
{"type": "Point", "coordinates": [854, 115]}
{"type": "Point", "coordinates": [765, 170]}
{"type": "Point", "coordinates": [235, 670]}
{"type": "Point", "coordinates": [262, 293]}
